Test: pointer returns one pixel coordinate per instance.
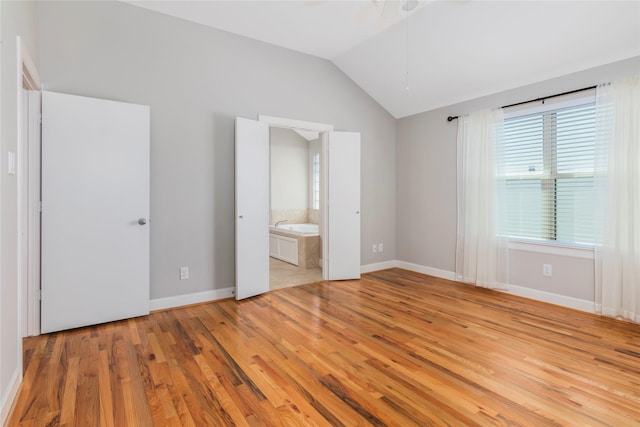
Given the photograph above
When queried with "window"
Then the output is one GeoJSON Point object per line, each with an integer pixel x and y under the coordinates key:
{"type": "Point", "coordinates": [549, 174]}
{"type": "Point", "coordinates": [315, 182]}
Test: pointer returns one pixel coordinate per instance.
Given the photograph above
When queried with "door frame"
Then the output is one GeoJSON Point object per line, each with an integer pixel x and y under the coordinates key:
{"type": "Point", "coordinates": [29, 287]}
{"type": "Point", "coordinates": [322, 129]}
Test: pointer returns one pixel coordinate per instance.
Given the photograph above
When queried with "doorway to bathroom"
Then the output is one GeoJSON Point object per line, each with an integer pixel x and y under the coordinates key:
{"type": "Point", "coordinates": [339, 205]}
{"type": "Point", "coordinates": [295, 243]}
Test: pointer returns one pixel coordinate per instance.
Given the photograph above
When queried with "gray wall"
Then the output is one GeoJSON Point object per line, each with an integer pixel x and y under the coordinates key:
{"type": "Point", "coordinates": [18, 19]}
{"type": "Point", "coordinates": [426, 198]}
{"type": "Point", "coordinates": [197, 80]}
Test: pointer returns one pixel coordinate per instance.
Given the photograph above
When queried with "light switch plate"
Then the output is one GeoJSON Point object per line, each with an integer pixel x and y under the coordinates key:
{"type": "Point", "coordinates": [11, 163]}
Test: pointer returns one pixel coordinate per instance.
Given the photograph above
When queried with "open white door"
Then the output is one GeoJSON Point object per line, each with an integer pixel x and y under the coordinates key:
{"type": "Point", "coordinates": [95, 208]}
{"type": "Point", "coordinates": [252, 208]}
{"type": "Point", "coordinates": [342, 220]}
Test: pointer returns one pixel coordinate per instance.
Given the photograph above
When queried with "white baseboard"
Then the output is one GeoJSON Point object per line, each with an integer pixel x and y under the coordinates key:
{"type": "Point", "coordinates": [7, 399]}
{"type": "Point", "coordinates": [534, 294]}
{"type": "Point", "coordinates": [551, 298]}
{"type": "Point", "coordinates": [187, 299]}
{"type": "Point", "coordinates": [368, 268]}
{"type": "Point", "coordinates": [431, 271]}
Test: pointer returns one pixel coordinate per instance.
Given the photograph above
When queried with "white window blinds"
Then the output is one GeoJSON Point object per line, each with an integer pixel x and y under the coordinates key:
{"type": "Point", "coordinates": [549, 170]}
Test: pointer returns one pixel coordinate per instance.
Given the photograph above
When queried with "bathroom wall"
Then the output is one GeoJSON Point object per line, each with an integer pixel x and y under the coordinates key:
{"type": "Point", "coordinates": [289, 176]}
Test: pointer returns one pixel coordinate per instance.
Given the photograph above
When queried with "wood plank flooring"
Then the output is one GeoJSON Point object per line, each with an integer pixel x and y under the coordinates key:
{"type": "Point", "coordinates": [393, 349]}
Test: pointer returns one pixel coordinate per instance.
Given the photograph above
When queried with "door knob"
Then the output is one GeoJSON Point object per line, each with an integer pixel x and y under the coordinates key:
{"type": "Point", "coordinates": [142, 221]}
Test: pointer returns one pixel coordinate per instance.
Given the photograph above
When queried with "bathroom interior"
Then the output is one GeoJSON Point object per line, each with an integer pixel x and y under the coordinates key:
{"type": "Point", "coordinates": [295, 244]}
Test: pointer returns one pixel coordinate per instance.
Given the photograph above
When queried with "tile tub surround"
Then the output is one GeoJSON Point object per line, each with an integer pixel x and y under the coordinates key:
{"type": "Point", "coordinates": [314, 216]}
{"type": "Point", "coordinates": [292, 216]}
{"type": "Point", "coordinates": [308, 248]}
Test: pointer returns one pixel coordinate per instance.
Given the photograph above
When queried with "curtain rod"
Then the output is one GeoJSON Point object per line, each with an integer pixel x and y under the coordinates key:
{"type": "Point", "coordinates": [450, 118]}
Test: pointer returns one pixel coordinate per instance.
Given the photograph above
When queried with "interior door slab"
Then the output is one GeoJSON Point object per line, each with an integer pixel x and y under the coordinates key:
{"type": "Point", "coordinates": [95, 204]}
{"type": "Point", "coordinates": [343, 222]}
{"type": "Point", "coordinates": [252, 208]}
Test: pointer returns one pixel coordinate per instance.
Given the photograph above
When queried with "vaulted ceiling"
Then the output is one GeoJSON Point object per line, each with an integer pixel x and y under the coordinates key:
{"type": "Point", "coordinates": [444, 52]}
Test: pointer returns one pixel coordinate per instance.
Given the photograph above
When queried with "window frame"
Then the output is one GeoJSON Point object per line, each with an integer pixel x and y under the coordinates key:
{"type": "Point", "coordinates": [315, 180]}
{"type": "Point", "coordinates": [550, 173]}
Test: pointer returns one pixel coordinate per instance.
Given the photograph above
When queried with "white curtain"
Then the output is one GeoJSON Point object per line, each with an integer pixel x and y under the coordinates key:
{"type": "Point", "coordinates": [481, 256]}
{"type": "Point", "coordinates": [617, 261]}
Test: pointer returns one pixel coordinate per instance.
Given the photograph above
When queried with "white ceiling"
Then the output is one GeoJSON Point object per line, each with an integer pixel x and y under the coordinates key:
{"type": "Point", "coordinates": [458, 50]}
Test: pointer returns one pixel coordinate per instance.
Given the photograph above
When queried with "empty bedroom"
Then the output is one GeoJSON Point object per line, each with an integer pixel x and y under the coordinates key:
{"type": "Point", "coordinates": [319, 213]}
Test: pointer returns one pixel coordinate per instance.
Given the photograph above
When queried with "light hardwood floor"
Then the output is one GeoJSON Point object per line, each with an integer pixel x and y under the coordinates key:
{"type": "Point", "coordinates": [395, 348]}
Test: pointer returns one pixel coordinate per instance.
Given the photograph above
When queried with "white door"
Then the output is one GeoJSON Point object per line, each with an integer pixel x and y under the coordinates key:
{"type": "Point", "coordinates": [252, 208]}
{"type": "Point", "coordinates": [342, 222]}
{"type": "Point", "coordinates": [95, 209]}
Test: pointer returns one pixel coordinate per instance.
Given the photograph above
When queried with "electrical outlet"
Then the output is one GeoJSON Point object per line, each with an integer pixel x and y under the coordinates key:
{"type": "Point", "coordinates": [184, 273]}
{"type": "Point", "coordinates": [547, 270]}
{"type": "Point", "coordinates": [380, 247]}
{"type": "Point", "coordinates": [374, 249]}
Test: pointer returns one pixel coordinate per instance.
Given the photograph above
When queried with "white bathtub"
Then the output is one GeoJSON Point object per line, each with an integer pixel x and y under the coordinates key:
{"type": "Point", "coordinates": [298, 229]}
{"type": "Point", "coordinates": [297, 244]}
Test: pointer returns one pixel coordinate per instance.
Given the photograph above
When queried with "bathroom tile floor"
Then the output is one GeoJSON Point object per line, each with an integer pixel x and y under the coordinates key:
{"type": "Point", "coordinates": [284, 275]}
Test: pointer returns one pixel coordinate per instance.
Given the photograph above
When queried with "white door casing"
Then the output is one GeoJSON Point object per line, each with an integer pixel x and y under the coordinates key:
{"type": "Point", "coordinates": [34, 220]}
{"type": "Point", "coordinates": [95, 209]}
{"type": "Point", "coordinates": [29, 212]}
{"type": "Point", "coordinates": [342, 206]}
{"type": "Point", "coordinates": [252, 207]}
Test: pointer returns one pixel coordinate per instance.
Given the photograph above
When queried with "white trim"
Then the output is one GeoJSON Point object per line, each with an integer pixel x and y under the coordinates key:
{"type": "Point", "coordinates": [368, 268]}
{"type": "Point", "coordinates": [194, 298]}
{"type": "Point", "coordinates": [294, 124]}
{"type": "Point", "coordinates": [534, 294]}
{"type": "Point", "coordinates": [29, 287]}
{"type": "Point", "coordinates": [324, 203]}
{"type": "Point", "coordinates": [556, 299]}
{"type": "Point", "coordinates": [12, 391]}
{"type": "Point", "coordinates": [30, 67]}
{"type": "Point", "coordinates": [34, 209]}
{"type": "Point", "coordinates": [22, 223]}
{"type": "Point", "coordinates": [551, 249]}
{"type": "Point", "coordinates": [431, 271]}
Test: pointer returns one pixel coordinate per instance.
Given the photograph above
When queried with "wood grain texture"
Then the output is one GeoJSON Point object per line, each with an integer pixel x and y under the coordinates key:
{"type": "Point", "coordinates": [395, 348]}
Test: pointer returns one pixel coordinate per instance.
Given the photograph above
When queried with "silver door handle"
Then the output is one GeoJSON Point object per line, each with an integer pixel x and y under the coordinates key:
{"type": "Point", "coordinates": [142, 221]}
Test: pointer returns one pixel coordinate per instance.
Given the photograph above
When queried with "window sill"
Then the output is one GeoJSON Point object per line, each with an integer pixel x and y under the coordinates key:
{"type": "Point", "coordinates": [584, 251]}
